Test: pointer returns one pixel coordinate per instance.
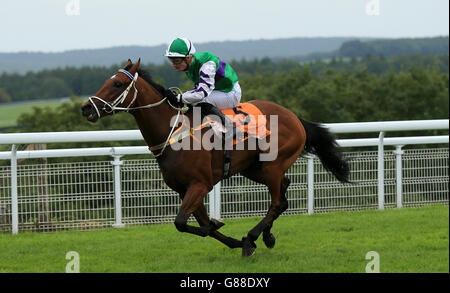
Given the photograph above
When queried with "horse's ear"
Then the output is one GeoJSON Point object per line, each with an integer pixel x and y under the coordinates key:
{"type": "Point", "coordinates": [136, 66]}
{"type": "Point", "coordinates": [129, 63]}
{"type": "Point", "coordinates": [138, 63]}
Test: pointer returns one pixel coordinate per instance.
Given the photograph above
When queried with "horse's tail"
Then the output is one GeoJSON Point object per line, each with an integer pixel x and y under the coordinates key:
{"type": "Point", "coordinates": [320, 142]}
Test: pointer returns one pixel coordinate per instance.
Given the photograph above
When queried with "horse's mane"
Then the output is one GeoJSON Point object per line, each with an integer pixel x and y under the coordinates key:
{"type": "Point", "coordinates": [145, 75]}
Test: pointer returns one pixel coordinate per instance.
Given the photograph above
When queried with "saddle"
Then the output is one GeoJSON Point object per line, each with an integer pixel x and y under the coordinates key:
{"type": "Point", "coordinates": [240, 122]}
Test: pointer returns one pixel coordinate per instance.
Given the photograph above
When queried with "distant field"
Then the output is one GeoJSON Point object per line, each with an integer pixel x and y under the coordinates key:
{"type": "Point", "coordinates": [10, 112]}
{"type": "Point", "coordinates": [407, 240]}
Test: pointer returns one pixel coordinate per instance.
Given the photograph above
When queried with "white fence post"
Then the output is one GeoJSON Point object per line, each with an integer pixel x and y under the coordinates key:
{"type": "Point", "coordinates": [381, 171]}
{"type": "Point", "coordinates": [398, 168]}
{"type": "Point", "coordinates": [117, 192]}
{"type": "Point", "coordinates": [14, 193]}
{"type": "Point", "coordinates": [310, 184]}
{"type": "Point", "coordinates": [212, 205]}
{"type": "Point", "coordinates": [215, 202]}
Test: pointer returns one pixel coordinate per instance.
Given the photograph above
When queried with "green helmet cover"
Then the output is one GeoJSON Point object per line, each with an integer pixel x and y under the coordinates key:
{"type": "Point", "coordinates": [180, 47]}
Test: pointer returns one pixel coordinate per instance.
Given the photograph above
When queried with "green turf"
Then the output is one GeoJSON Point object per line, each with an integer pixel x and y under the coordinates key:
{"type": "Point", "coordinates": [408, 240]}
{"type": "Point", "coordinates": [10, 112]}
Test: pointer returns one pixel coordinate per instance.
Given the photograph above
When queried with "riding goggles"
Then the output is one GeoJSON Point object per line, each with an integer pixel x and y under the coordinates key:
{"type": "Point", "coordinates": [176, 60]}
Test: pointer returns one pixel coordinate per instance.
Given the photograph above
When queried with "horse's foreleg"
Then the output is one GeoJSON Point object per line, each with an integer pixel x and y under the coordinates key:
{"type": "Point", "coordinates": [192, 200]}
{"type": "Point", "coordinates": [202, 218]}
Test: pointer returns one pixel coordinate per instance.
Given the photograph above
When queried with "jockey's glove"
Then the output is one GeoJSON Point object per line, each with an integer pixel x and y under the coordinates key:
{"type": "Point", "coordinates": [173, 98]}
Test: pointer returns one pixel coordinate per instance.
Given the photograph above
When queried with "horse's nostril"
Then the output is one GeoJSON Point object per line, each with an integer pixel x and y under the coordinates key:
{"type": "Point", "coordinates": [86, 109]}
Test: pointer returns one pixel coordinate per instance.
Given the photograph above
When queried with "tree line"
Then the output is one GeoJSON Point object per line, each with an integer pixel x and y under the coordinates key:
{"type": "Point", "coordinates": [325, 95]}
{"type": "Point", "coordinates": [57, 83]}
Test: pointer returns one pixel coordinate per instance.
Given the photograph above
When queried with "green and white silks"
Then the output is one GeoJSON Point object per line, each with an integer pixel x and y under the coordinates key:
{"type": "Point", "coordinates": [215, 82]}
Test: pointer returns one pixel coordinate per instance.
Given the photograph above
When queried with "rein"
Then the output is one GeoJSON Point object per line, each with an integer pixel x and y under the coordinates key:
{"type": "Point", "coordinates": [113, 106]}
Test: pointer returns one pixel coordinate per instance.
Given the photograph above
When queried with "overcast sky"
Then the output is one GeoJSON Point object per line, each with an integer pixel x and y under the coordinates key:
{"type": "Point", "coordinates": [59, 25]}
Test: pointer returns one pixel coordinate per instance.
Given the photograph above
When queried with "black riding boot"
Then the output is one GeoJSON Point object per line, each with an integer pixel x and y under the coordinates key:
{"type": "Point", "coordinates": [231, 130]}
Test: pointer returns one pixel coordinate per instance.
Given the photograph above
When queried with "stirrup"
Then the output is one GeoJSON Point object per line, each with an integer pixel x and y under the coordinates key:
{"type": "Point", "coordinates": [233, 132]}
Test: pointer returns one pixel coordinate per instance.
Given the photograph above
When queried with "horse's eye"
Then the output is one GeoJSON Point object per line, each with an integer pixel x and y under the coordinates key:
{"type": "Point", "coordinates": [118, 84]}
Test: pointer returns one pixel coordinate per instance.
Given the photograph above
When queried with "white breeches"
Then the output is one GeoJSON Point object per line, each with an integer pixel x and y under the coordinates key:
{"type": "Point", "coordinates": [224, 100]}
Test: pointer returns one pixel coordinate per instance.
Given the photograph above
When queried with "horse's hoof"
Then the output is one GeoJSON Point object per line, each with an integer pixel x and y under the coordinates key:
{"type": "Point", "coordinates": [269, 240]}
{"type": "Point", "coordinates": [248, 247]}
{"type": "Point", "coordinates": [216, 224]}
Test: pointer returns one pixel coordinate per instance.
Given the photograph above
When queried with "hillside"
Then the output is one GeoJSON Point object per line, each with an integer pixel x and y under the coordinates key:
{"type": "Point", "coordinates": [35, 61]}
{"type": "Point", "coordinates": [387, 47]}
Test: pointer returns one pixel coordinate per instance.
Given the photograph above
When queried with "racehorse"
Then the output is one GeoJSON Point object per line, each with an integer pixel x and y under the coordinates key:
{"type": "Point", "coordinates": [193, 173]}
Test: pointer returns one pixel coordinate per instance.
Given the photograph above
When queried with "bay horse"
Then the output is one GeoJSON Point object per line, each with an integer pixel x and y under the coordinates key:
{"type": "Point", "coordinates": [193, 173]}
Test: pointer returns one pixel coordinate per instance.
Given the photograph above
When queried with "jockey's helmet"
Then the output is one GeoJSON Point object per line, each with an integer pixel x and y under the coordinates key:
{"type": "Point", "coordinates": [180, 47]}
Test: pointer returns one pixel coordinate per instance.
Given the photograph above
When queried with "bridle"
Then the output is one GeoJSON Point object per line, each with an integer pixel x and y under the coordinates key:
{"type": "Point", "coordinates": [113, 106]}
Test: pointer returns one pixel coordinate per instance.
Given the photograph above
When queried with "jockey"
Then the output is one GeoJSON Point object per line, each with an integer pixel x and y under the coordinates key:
{"type": "Point", "coordinates": [215, 82]}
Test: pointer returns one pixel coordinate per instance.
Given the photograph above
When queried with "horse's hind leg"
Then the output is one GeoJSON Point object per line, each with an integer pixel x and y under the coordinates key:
{"type": "Point", "coordinates": [268, 238]}
{"type": "Point", "coordinates": [202, 218]}
{"type": "Point", "coordinates": [273, 179]}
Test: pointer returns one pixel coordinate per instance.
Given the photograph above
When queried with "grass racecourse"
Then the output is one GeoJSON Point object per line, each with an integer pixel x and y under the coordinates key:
{"type": "Point", "coordinates": [407, 240]}
{"type": "Point", "coordinates": [10, 112]}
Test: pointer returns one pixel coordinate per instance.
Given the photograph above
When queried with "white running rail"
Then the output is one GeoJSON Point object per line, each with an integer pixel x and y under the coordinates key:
{"type": "Point", "coordinates": [215, 206]}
